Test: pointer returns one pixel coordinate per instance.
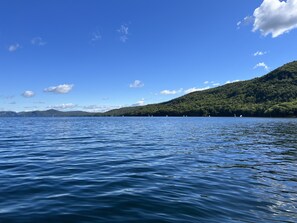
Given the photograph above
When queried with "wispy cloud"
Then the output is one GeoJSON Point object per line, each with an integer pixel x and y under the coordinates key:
{"type": "Point", "coordinates": [38, 41]}
{"type": "Point", "coordinates": [275, 17]}
{"type": "Point", "coordinates": [63, 106]}
{"type": "Point", "coordinates": [96, 36]}
{"type": "Point", "coordinates": [136, 84]}
{"type": "Point", "coordinates": [91, 107]}
{"type": "Point", "coordinates": [39, 102]}
{"type": "Point", "coordinates": [246, 21]}
{"type": "Point", "coordinates": [262, 64]}
{"type": "Point", "coordinates": [171, 92]}
{"type": "Point", "coordinates": [14, 47]}
{"type": "Point", "coordinates": [7, 97]}
{"type": "Point", "coordinates": [229, 82]}
{"type": "Point", "coordinates": [124, 33]}
{"type": "Point", "coordinates": [60, 89]}
{"type": "Point", "coordinates": [213, 83]}
{"type": "Point", "coordinates": [30, 108]}
{"type": "Point", "coordinates": [194, 89]}
{"type": "Point", "coordinates": [259, 53]}
{"type": "Point", "coordinates": [28, 94]}
{"type": "Point", "coordinates": [99, 108]}
{"type": "Point", "coordinates": [141, 102]}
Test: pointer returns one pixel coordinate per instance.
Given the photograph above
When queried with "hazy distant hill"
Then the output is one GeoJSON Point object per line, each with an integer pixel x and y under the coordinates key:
{"type": "Point", "coordinates": [8, 114]}
{"type": "Point", "coordinates": [47, 113]}
{"type": "Point", "coordinates": [54, 113]}
{"type": "Point", "coordinates": [274, 94]}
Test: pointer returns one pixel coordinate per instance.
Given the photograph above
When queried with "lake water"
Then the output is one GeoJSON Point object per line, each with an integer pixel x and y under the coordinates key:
{"type": "Point", "coordinates": [148, 170]}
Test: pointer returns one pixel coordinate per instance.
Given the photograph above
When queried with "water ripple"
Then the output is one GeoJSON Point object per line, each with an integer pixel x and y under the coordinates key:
{"type": "Point", "coordinates": [148, 170]}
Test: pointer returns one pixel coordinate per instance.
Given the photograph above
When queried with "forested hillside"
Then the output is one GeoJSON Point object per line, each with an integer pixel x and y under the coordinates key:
{"type": "Point", "coordinates": [274, 94]}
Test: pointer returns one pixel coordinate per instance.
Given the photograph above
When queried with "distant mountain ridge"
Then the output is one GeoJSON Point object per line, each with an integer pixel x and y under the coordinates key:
{"type": "Point", "coordinates": [272, 95]}
{"type": "Point", "coordinates": [46, 113]}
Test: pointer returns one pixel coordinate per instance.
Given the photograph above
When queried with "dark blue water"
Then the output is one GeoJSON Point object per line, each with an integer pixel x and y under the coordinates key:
{"type": "Point", "coordinates": [148, 170]}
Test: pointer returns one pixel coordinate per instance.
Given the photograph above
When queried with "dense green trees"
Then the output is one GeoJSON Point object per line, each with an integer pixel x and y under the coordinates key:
{"type": "Point", "coordinates": [274, 94]}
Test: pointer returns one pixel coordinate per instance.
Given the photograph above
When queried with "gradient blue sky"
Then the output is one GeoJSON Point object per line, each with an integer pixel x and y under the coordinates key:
{"type": "Point", "coordinates": [96, 55]}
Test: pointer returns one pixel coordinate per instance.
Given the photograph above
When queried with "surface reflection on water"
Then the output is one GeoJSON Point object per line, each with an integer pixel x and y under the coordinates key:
{"type": "Point", "coordinates": [148, 170]}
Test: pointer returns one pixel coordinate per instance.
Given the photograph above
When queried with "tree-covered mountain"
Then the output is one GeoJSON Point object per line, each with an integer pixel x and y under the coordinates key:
{"type": "Point", "coordinates": [274, 94]}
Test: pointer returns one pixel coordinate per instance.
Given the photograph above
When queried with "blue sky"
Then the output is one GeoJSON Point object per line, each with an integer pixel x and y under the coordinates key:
{"type": "Point", "coordinates": [96, 55]}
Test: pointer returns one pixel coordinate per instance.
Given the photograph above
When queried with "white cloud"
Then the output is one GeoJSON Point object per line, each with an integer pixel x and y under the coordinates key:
{"type": "Point", "coordinates": [91, 107]}
{"type": "Point", "coordinates": [14, 47]}
{"type": "Point", "coordinates": [275, 17]}
{"type": "Point", "coordinates": [136, 84]}
{"type": "Point", "coordinates": [262, 64]}
{"type": "Point", "coordinates": [190, 90]}
{"type": "Point", "coordinates": [216, 84]}
{"type": "Point", "coordinates": [60, 89]}
{"type": "Point", "coordinates": [140, 103]}
{"type": "Point", "coordinates": [99, 108]}
{"type": "Point", "coordinates": [259, 53]}
{"type": "Point", "coordinates": [124, 33]}
{"type": "Point", "coordinates": [28, 94]}
{"type": "Point", "coordinates": [63, 106]}
{"type": "Point", "coordinates": [229, 82]}
{"type": "Point", "coordinates": [211, 82]}
{"type": "Point", "coordinates": [38, 41]}
{"type": "Point", "coordinates": [170, 92]}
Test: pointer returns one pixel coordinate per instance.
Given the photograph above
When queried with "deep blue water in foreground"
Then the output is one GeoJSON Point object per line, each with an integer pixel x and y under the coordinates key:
{"type": "Point", "coordinates": [148, 170]}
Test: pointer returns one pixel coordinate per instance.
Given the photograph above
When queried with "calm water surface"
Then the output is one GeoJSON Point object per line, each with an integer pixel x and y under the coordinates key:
{"type": "Point", "coordinates": [148, 170]}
